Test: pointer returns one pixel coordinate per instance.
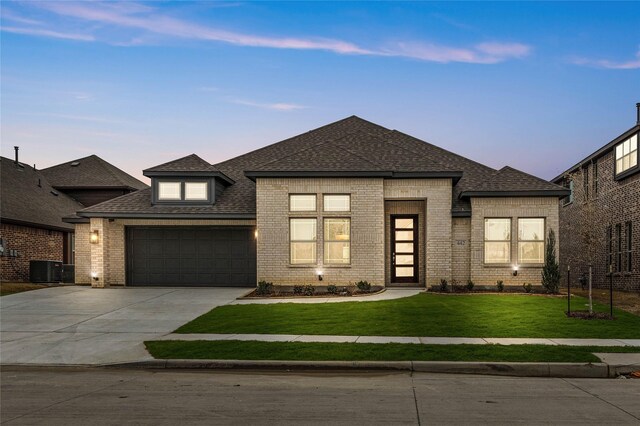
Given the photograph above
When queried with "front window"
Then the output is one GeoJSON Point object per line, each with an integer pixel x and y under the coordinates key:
{"type": "Point", "coordinates": [195, 191]}
{"type": "Point", "coordinates": [337, 203]}
{"type": "Point", "coordinates": [169, 191]}
{"type": "Point", "coordinates": [629, 234]}
{"type": "Point", "coordinates": [337, 241]}
{"type": "Point", "coordinates": [627, 154]}
{"type": "Point", "coordinates": [302, 234]}
{"type": "Point", "coordinates": [497, 240]}
{"type": "Point", "coordinates": [619, 247]}
{"type": "Point", "coordinates": [302, 203]}
{"type": "Point", "coordinates": [530, 240]}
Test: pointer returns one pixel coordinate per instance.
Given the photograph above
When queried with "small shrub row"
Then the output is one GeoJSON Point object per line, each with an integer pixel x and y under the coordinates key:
{"type": "Point", "coordinates": [455, 287]}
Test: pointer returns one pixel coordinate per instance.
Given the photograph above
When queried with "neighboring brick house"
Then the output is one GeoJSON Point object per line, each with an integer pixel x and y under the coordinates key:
{"type": "Point", "coordinates": [33, 203]}
{"type": "Point", "coordinates": [604, 208]}
{"type": "Point", "coordinates": [348, 201]}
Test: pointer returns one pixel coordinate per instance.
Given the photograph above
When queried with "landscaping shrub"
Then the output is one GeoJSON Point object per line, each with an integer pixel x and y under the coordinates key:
{"type": "Point", "coordinates": [455, 287]}
{"type": "Point", "coordinates": [551, 269]}
{"type": "Point", "coordinates": [470, 285]}
{"type": "Point", "coordinates": [527, 287]}
{"type": "Point", "coordinates": [298, 289]}
{"type": "Point", "coordinates": [309, 290]}
{"type": "Point", "coordinates": [363, 286]}
{"type": "Point", "coordinates": [264, 287]}
{"type": "Point", "coordinates": [444, 285]}
{"type": "Point", "coordinates": [332, 289]}
{"type": "Point", "coordinates": [500, 286]}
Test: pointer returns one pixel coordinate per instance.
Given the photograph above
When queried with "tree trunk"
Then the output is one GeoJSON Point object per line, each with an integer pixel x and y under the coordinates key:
{"type": "Point", "coordinates": [590, 287]}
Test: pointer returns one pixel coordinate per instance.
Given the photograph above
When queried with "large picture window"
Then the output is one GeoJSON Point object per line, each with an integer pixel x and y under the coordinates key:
{"type": "Point", "coordinates": [337, 241]}
{"type": "Point", "coordinates": [303, 234]}
{"type": "Point", "coordinates": [336, 203]}
{"type": "Point", "coordinates": [627, 154]}
{"type": "Point", "coordinates": [530, 240]}
{"type": "Point", "coordinates": [497, 240]}
{"type": "Point", "coordinates": [302, 203]}
{"type": "Point", "coordinates": [169, 191]}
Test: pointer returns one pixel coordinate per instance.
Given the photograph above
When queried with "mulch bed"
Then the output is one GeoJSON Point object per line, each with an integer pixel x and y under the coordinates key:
{"type": "Point", "coordinates": [320, 294]}
{"type": "Point", "coordinates": [586, 315]}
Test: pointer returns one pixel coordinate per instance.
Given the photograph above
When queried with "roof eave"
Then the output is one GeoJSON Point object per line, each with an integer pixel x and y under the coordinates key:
{"type": "Point", "coordinates": [35, 225]}
{"type": "Point", "coordinates": [253, 175]}
{"type": "Point", "coordinates": [520, 193]}
{"type": "Point", "coordinates": [219, 175]}
{"type": "Point", "coordinates": [133, 215]}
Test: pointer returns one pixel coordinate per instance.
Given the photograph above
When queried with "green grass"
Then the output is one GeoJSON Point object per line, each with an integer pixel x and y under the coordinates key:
{"type": "Point", "coordinates": [421, 315]}
{"type": "Point", "coordinates": [298, 351]}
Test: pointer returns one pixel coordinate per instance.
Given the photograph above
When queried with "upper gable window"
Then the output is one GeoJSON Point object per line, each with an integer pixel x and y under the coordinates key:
{"type": "Point", "coordinates": [337, 203]}
{"type": "Point", "coordinates": [195, 191]}
{"type": "Point", "coordinates": [302, 203]}
{"type": "Point", "coordinates": [627, 154]}
{"type": "Point", "coordinates": [169, 191]}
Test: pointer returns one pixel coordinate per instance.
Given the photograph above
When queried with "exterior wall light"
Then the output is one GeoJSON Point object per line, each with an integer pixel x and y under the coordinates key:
{"type": "Point", "coordinates": [319, 273]}
{"type": "Point", "coordinates": [94, 275]}
{"type": "Point", "coordinates": [94, 238]}
{"type": "Point", "coordinates": [515, 271]}
{"type": "Point", "coordinates": [255, 234]}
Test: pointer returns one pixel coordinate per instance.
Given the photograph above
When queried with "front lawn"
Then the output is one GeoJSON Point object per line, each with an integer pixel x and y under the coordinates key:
{"type": "Point", "coordinates": [7, 288]}
{"type": "Point", "coordinates": [297, 351]}
{"type": "Point", "coordinates": [425, 314]}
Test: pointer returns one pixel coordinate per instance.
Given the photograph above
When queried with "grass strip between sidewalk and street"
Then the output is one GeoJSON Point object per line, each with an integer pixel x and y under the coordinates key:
{"type": "Point", "coordinates": [299, 351]}
{"type": "Point", "coordinates": [435, 315]}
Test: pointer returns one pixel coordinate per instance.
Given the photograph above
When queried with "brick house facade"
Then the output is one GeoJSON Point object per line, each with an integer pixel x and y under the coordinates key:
{"type": "Point", "coordinates": [604, 208]}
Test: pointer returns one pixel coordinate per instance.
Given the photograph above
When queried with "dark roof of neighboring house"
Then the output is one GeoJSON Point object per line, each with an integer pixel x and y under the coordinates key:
{"type": "Point", "coordinates": [599, 153]}
{"type": "Point", "coordinates": [90, 172]}
{"type": "Point", "coordinates": [351, 146]}
{"type": "Point", "coordinates": [25, 202]}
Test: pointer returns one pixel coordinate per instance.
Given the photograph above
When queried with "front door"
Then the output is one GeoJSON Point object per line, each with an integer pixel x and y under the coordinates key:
{"type": "Point", "coordinates": [404, 248]}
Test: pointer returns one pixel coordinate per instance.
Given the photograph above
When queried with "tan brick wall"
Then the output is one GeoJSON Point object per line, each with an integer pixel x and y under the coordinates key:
{"type": "Point", "coordinates": [461, 249]}
{"type": "Point", "coordinates": [83, 254]}
{"type": "Point", "coordinates": [437, 193]}
{"type": "Point", "coordinates": [367, 230]}
{"type": "Point", "coordinates": [416, 207]}
{"type": "Point", "coordinates": [107, 258]}
{"type": "Point", "coordinates": [513, 208]}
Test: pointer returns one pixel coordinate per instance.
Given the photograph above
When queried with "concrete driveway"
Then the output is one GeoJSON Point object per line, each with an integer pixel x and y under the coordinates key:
{"type": "Point", "coordinates": [81, 325]}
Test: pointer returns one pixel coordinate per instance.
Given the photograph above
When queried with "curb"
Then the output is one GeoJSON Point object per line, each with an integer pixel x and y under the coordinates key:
{"type": "Point", "coordinates": [516, 369]}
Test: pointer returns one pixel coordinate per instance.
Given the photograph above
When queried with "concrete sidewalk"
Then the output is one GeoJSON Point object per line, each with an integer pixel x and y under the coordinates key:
{"type": "Point", "coordinates": [404, 339]}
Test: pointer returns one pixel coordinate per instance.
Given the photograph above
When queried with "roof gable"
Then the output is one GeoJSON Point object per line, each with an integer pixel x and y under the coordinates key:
{"type": "Point", "coordinates": [90, 172]}
{"type": "Point", "coordinates": [510, 181]}
{"type": "Point", "coordinates": [190, 163]}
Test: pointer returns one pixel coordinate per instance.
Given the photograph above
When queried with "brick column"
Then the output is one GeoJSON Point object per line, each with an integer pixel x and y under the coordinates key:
{"type": "Point", "coordinates": [99, 253]}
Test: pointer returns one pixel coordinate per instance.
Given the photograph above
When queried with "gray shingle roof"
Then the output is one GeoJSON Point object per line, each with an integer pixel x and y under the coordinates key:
{"type": "Point", "coordinates": [351, 144]}
{"type": "Point", "coordinates": [90, 172]}
{"type": "Point", "coordinates": [510, 180]}
{"type": "Point", "coordinates": [190, 163]}
{"type": "Point", "coordinates": [23, 201]}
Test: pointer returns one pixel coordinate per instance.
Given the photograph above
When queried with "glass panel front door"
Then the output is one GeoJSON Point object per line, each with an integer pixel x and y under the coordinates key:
{"type": "Point", "coordinates": [404, 249]}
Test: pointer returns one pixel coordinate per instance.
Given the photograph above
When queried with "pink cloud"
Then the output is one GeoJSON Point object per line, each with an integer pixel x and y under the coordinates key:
{"type": "Point", "coordinates": [605, 63]}
{"type": "Point", "coordinates": [484, 53]}
{"type": "Point", "coordinates": [47, 33]}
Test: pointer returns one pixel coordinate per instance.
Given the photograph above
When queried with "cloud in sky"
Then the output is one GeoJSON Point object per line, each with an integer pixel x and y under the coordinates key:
{"type": "Point", "coordinates": [144, 18]}
{"type": "Point", "coordinates": [612, 65]}
{"type": "Point", "coordinates": [47, 33]}
{"type": "Point", "coordinates": [279, 106]}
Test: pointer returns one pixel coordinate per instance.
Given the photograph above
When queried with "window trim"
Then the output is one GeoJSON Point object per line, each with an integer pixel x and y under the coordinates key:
{"type": "Point", "coordinates": [569, 198]}
{"type": "Point", "coordinates": [631, 170]}
{"type": "Point", "coordinates": [325, 241]}
{"type": "Point", "coordinates": [160, 182]}
{"type": "Point", "coordinates": [156, 182]}
{"type": "Point", "coordinates": [484, 241]}
{"type": "Point", "coordinates": [206, 191]}
{"type": "Point", "coordinates": [324, 208]}
{"type": "Point", "coordinates": [543, 241]}
{"type": "Point", "coordinates": [628, 232]}
{"type": "Point", "coordinates": [585, 183]}
{"type": "Point", "coordinates": [618, 247]}
{"type": "Point", "coordinates": [609, 237]}
{"type": "Point", "coordinates": [305, 194]}
{"type": "Point", "coordinates": [291, 240]}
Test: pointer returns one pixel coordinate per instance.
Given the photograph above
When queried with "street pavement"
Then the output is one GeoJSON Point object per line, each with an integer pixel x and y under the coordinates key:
{"type": "Point", "coordinates": [99, 396]}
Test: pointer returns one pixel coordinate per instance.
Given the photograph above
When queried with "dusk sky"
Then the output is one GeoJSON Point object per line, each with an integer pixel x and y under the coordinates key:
{"type": "Point", "coordinates": [537, 86]}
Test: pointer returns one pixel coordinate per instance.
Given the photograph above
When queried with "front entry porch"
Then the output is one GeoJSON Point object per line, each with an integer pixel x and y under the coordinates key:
{"type": "Point", "coordinates": [405, 243]}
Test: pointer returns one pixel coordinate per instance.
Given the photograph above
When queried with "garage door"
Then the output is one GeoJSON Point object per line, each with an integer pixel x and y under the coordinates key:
{"type": "Point", "coordinates": [191, 256]}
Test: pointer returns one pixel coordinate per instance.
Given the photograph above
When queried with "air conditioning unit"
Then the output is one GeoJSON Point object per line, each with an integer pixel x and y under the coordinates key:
{"type": "Point", "coordinates": [45, 271]}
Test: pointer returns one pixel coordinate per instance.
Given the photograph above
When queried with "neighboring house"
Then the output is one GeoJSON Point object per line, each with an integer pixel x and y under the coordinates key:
{"type": "Point", "coordinates": [600, 220]}
{"type": "Point", "coordinates": [348, 201]}
{"type": "Point", "coordinates": [33, 203]}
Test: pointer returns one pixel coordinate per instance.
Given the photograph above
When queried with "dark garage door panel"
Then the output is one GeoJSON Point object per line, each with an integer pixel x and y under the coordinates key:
{"type": "Point", "coordinates": [191, 256]}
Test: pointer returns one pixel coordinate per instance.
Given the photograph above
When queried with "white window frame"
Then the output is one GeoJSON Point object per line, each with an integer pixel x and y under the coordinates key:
{"type": "Point", "coordinates": [486, 221]}
{"type": "Point", "coordinates": [523, 241]}
{"type": "Point", "coordinates": [327, 241]}
{"type": "Point", "coordinates": [293, 241]}
{"type": "Point", "coordinates": [162, 183]}
{"type": "Point", "coordinates": [186, 190]}
{"type": "Point", "coordinates": [292, 208]}
{"type": "Point", "coordinates": [627, 150]}
{"type": "Point", "coordinates": [328, 196]}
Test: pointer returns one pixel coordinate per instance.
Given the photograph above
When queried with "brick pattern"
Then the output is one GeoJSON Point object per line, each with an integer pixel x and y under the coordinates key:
{"type": "Point", "coordinates": [405, 207]}
{"type": "Point", "coordinates": [546, 207]}
{"type": "Point", "coordinates": [616, 202]}
{"type": "Point", "coordinates": [437, 193]}
{"type": "Point", "coordinates": [83, 254]}
{"type": "Point", "coordinates": [461, 249]}
{"type": "Point", "coordinates": [367, 235]}
{"type": "Point", "coordinates": [32, 244]}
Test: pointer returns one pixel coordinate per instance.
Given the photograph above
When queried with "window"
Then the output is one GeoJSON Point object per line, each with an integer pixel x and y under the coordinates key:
{"type": "Point", "coordinates": [595, 178]}
{"type": "Point", "coordinates": [195, 191]}
{"type": "Point", "coordinates": [619, 247]}
{"type": "Point", "coordinates": [531, 240]}
{"type": "Point", "coordinates": [337, 241]}
{"type": "Point", "coordinates": [609, 248]}
{"type": "Point", "coordinates": [629, 234]}
{"type": "Point", "coordinates": [627, 154]}
{"type": "Point", "coordinates": [302, 203]}
{"type": "Point", "coordinates": [497, 240]}
{"type": "Point", "coordinates": [169, 191]}
{"type": "Point", "coordinates": [568, 199]}
{"type": "Point", "coordinates": [303, 240]}
{"type": "Point", "coordinates": [585, 182]}
{"type": "Point", "coordinates": [337, 203]}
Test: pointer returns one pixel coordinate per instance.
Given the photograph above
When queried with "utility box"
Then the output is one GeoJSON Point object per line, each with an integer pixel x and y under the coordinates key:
{"type": "Point", "coordinates": [45, 271]}
{"type": "Point", "coordinates": [68, 274]}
